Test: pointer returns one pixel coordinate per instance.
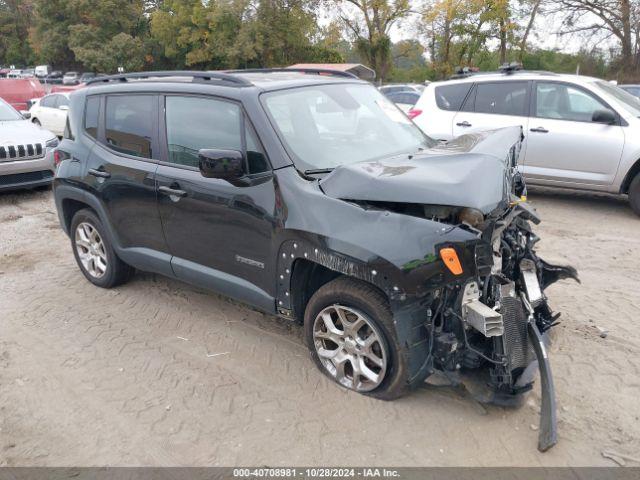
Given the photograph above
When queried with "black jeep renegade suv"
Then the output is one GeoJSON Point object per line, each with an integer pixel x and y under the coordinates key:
{"type": "Point", "coordinates": [309, 195]}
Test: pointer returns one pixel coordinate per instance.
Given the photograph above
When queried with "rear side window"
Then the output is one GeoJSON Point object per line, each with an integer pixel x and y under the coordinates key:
{"type": "Point", "coordinates": [501, 98]}
{"type": "Point", "coordinates": [128, 125]}
{"type": "Point", "coordinates": [450, 97]}
{"type": "Point", "coordinates": [91, 116]}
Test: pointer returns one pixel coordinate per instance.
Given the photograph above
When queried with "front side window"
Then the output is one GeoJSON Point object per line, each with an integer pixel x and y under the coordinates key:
{"type": "Point", "coordinates": [564, 102]}
{"type": "Point", "coordinates": [195, 123]}
{"type": "Point", "coordinates": [501, 98]}
{"type": "Point", "coordinates": [324, 126]}
{"type": "Point", "coordinates": [128, 125]}
{"type": "Point", "coordinates": [91, 116]}
{"type": "Point", "coordinates": [62, 101]}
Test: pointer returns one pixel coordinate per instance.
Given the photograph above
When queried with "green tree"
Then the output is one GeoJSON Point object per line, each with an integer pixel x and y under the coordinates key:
{"type": "Point", "coordinates": [15, 20]}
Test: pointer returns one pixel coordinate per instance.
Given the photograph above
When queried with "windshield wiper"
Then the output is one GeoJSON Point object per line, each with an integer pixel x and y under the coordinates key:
{"type": "Point", "coordinates": [318, 170]}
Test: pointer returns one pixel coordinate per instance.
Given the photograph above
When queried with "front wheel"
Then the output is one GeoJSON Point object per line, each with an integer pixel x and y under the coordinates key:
{"type": "Point", "coordinates": [35, 121]}
{"type": "Point", "coordinates": [634, 194]}
{"type": "Point", "coordinates": [350, 334]}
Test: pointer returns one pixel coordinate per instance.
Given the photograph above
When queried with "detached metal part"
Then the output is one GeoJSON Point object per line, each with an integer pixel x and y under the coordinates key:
{"type": "Point", "coordinates": [530, 279]}
{"type": "Point", "coordinates": [484, 319]}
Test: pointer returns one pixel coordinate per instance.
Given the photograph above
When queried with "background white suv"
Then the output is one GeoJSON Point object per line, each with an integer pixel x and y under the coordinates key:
{"type": "Point", "coordinates": [580, 132]}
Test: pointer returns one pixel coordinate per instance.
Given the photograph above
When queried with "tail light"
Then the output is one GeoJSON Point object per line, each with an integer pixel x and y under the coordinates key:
{"type": "Point", "coordinates": [414, 112]}
{"type": "Point", "coordinates": [59, 156]}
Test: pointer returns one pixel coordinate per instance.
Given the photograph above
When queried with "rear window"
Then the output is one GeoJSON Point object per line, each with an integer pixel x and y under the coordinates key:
{"type": "Point", "coordinates": [450, 97]}
{"type": "Point", "coordinates": [128, 128]}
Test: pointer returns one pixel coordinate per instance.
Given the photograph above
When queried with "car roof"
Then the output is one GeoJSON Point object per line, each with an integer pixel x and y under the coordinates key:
{"type": "Point", "coordinates": [265, 80]}
{"type": "Point", "coordinates": [521, 75]}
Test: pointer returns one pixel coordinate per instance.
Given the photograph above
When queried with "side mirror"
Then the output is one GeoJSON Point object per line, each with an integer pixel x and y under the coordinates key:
{"type": "Point", "coordinates": [63, 107]}
{"type": "Point", "coordinates": [604, 116]}
{"type": "Point", "coordinates": [26, 115]}
{"type": "Point", "coordinates": [224, 164]}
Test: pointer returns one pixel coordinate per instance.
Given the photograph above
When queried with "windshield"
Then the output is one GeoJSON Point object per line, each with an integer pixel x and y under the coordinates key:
{"type": "Point", "coordinates": [324, 126]}
{"type": "Point", "coordinates": [630, 103]}
{"type": "Point", "coordinates": [8, 113]}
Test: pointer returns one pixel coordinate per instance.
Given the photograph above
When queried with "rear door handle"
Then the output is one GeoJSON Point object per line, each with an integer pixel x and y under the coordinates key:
{"type": "Point", "coordinates": [463, 124]}
{"type": "Point", "coordinates": [172, 191]}
{"type": "Point", "coordinates": [539, 130]}
{"type": "Point", "coordinates": [99, 173]}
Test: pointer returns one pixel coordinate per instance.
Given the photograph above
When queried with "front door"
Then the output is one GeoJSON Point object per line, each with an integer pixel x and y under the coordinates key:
{"type": "Point", "coordinates": [220, 235]}
{"type": "Point", "coordinates": [565, 146]}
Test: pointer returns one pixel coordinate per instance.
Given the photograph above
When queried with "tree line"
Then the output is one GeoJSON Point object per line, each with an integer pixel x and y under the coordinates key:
{"type": "Point", "coordinates": [103, 35]}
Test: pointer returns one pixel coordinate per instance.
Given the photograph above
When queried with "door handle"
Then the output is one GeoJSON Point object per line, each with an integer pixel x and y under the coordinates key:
{"type": "Point", "coordinates": [539, 130]}
{"type": "Point", "coordinates": [463, 124]}
{"type": "Point", "coordinates": [172, 191]}
{"type": "Point", "coordinates": [99, 173]}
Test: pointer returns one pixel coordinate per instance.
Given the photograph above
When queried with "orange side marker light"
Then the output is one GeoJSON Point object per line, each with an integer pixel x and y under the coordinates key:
{"type": "Point", "coordinates": [451, 260]}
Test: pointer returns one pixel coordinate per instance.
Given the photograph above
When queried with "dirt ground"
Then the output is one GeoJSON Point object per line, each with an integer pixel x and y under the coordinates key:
{"type": "Point", "coordinates": [160, 373]}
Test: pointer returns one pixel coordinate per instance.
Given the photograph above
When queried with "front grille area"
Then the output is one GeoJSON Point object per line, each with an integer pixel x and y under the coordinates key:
{"type": "Point", "coordinates": [516, 338]}
{"type": "Point", "coordinates": [21, 152]}
{"type": "Point", "coordinates": [21, 178]}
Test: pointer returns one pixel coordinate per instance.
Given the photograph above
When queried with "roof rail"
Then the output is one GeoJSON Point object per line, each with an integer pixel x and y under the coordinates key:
{"type": "Point", "coordinates": [316, 71]}
{"type": "Point", "coordinates": [124, 77]}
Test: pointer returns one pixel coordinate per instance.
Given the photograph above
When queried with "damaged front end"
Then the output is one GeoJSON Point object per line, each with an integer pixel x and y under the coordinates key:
{"type": "Point", "coordinates": [497, 319]}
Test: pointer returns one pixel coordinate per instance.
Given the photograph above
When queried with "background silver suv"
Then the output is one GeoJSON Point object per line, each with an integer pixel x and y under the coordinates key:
{"type": "Point", "coordinates": [580, 132]}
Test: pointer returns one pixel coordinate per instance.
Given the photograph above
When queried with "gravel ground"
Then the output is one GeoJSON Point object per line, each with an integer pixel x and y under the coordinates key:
{"type": "Point", "coordinates": [157, 372]}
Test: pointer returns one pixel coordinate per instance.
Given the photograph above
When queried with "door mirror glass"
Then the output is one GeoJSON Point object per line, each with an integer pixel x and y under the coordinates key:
{"type": "Point", "coordinates": [604, 115]}
{"type": "Point", "coordinates": [223, 164]}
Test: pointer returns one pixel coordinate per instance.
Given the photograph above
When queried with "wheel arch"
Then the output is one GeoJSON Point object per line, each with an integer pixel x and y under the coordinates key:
{"type": "Point", "coordinates": [303, 268]}
{"type": "Point", "coordinates": [631, 174]}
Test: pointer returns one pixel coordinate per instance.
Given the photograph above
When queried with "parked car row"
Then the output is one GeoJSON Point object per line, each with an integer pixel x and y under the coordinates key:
{"type": "Point", "coordinates": [45, 75]}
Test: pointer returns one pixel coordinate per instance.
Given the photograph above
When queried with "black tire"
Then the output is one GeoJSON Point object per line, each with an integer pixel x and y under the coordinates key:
{"type": "Point", "coordinates": [365, 298]}
{"type": "Point", "coordinates": [634, 194]}
{"type": "Point", "coordinates": [36, 121]}
{"type": "Point", "coordinates": [117, 272]}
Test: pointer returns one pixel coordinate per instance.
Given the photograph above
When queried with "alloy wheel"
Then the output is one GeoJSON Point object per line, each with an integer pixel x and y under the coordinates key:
{"type": "Point", "coordinates": [350, 348]}
{"type": "Point", "coordinates": [91, 251]}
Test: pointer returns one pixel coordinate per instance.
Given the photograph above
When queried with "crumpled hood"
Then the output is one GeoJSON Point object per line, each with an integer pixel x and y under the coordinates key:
{"type": "Point", "coordinates": [19, 132]}
{"type": "Point", "coordinates": [470, 171]}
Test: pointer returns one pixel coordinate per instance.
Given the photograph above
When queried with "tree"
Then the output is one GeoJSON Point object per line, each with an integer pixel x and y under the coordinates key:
{"type": "Point", "coordinates": [619, 19]}
{"type": "Point", "coordinates": [15, 19]}
{"type": "Point", "coordinates": [369, 23]}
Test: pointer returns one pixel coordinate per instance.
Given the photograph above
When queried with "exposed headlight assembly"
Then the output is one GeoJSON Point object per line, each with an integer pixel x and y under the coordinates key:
{"type": "Point", "coordinates": [471, 216]}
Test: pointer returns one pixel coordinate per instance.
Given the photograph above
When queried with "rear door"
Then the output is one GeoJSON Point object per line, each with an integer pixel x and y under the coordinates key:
{"type": "Point", "coordinates": [121, 173]}
{"type": "Point", "coordinates": [565, 146]}
{"type": "Point", "coordinates": [492, 105]}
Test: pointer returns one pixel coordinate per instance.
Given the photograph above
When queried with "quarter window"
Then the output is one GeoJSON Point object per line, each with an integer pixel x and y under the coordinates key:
{"type": "Point", "coordinates": [128, 124]}
{"type": "Point", "coordinates": [503, 98]}
{"type": "Point", "coordinates": [91, 116]}
{"type": "Point", "coordinates": [450, 97]}
{"type": "Point", "coordinates": [563, 102]}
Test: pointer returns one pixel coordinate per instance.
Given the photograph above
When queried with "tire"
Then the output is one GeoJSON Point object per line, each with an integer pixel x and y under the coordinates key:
{"type": "Point", "coordinates": [36, 122]}
{"type": "Point", "coordinates": [356, 300]}
{"type": "Point", "coordinates": [634, 194]}
{"type": "Point", "coordinates": [100, 264]}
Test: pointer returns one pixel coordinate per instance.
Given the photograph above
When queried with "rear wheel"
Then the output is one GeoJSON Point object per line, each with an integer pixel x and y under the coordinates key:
{"type": "Point", "coordinates": [634, 194]}
{"type": "Point", "coordinates": [93, 251]}
{"type": "Point", "coordinates": [350, 334]}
